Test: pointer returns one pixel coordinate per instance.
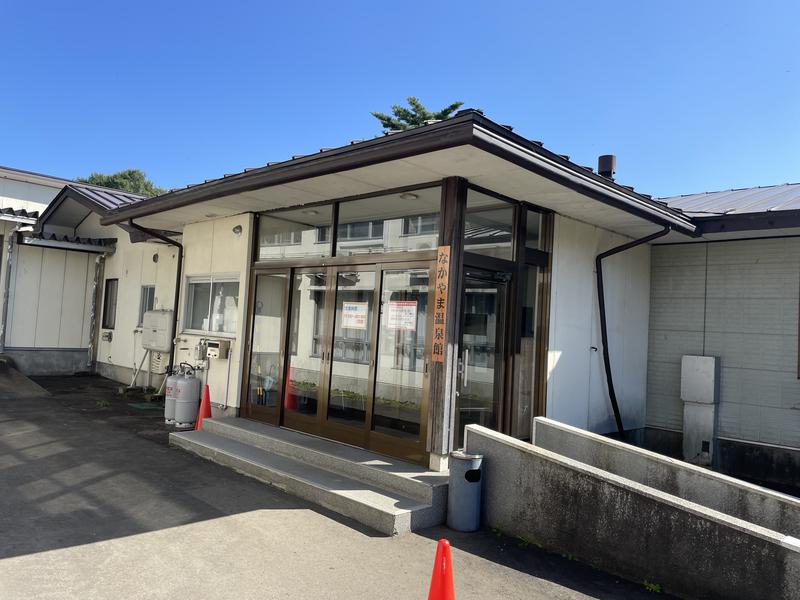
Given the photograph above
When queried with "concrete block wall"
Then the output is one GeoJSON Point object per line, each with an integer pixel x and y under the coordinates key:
{"type": "Point", "coordinates": [739, 301]}
{"type": "Point", "coordinates": [627, 528]}
{"type": "Point", "coordinates": [778, 512]}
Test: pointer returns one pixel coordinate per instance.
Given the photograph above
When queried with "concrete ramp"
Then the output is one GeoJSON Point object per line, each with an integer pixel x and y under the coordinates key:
{"type": "Point", "coordinates": [14, 385]}
{"type": "Point", "coordinates": [625, 527]}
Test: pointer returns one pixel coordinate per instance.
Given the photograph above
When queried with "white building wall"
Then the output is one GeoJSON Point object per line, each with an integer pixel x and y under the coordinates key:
{"type": "Point", "coordinates": [576, 387]}
{"type": "Point", "coordinates": [738, 301]}
{"type": "Point", "coordinates": [211, 248]}
{"type": "Point", "coordinates": [134, 266]}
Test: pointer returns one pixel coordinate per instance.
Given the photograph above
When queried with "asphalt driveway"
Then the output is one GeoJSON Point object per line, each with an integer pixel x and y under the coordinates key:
{"type": "Point", "coordinates": [94, 504]}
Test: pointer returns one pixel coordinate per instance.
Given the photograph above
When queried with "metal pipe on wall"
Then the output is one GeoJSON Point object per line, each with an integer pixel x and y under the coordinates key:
{"type": "Point", "coordinates": [7, 285]}
{"type": "Point", "coordinates": [178, 273]}
{"type": "Point", "coordinates": [98, 269]}
{"type": "Point", "coordinates": [603, 324]}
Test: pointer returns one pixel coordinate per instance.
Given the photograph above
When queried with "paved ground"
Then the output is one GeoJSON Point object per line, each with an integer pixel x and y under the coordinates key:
{"type": "Point", "coordinates": [94, 504]}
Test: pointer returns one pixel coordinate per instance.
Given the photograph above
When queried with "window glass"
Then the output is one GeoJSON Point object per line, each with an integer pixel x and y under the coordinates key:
{"type": "Point", "coordinates": [110, 303]}
{"type": "Point", "coordinates": [224, 306]}
{"type": "Point", "coordinates": [146, 301]}
{"type": "Point", "coordinates": [488, 226]}
{"type": "Point", "coordinates": [294, 233]}
{"type": "Point", "coordinates": [393, 223]}
{"type": "Point", "coordinates": [212, 305]}
{"type": "Point", "coordinates": [532, 229]}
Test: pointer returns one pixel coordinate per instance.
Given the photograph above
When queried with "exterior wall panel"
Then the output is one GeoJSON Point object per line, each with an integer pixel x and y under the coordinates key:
{"type": "Point", "coordinates": [577, 391]}
{"type": "Point", "coordinates": [750, 320]}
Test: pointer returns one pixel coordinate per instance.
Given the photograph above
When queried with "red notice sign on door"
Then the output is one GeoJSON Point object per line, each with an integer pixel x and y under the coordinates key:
{"type": "Point", "coordinates": [441, 283]}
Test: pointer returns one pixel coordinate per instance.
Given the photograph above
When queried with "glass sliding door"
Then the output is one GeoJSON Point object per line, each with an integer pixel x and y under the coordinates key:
{"type": "Point", "coordinates": [266, 346]}
{"type": "Point", "coordinates": [307, 349]}
{"type": "Point", "coordinates": [350, 389]}
{"type": "Point", "coordinates": [399, 414]}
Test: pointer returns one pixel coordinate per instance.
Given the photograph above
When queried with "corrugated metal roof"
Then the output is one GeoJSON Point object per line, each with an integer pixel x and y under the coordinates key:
{"type": "Point", "coordinates": [105, 198]}
{"type": "Point", "coordinates": [52, 237]}
{"type": "Point", "coordinates": [768, 198]}
{"type": "Point", "coordinates": [22, 213]}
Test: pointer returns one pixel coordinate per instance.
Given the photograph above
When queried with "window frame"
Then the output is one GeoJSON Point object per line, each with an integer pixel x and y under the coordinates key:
{"type": "Point", "coordinates": [211, 280]}
{"type": "Point", "coordinates": [104, 321]}
{"type": "Point", "coordinates": [142, 310]}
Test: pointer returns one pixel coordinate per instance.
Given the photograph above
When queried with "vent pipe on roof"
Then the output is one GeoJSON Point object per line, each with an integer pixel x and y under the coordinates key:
{"type": "Point", "coordinates": [607, 165]}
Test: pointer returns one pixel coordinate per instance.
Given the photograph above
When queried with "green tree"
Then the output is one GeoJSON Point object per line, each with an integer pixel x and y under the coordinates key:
{"type": "Point", "coordinates": [414, 116]}
{"type": "Point", "coordinates": [127, 180]}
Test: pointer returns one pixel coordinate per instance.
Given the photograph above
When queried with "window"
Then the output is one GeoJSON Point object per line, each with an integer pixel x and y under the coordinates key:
{"type": "Point", "coordinates": [421, 225]}
{"type": "Point", "coordinates": [399, 222]}
{"type": "Point", "coordinates": [295, 233]}
{"type": "Point", "coordinates": [212, 304]}
{"type": "Point", "coordinates": [488, 225]}
{"type": "Point", "coordinates": [147, 301]}
{"type": "Point", "coordinates": [110, 303]}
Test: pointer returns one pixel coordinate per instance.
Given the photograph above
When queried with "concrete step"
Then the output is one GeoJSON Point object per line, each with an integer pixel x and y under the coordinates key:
{"type": "Point", "coordinates": [383, 510]}
{"type": "Point", "coordinates": [413, 481]}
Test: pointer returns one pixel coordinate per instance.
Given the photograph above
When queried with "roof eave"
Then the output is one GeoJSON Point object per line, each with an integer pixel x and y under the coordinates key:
{"type": "Point", "coordinates": [468, 129]}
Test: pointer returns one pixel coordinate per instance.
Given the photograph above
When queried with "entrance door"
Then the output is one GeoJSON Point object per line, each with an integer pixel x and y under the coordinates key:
{"type": "Point", "coordinates": [266, 346]}
{"type": "Point", "coordinates": [481, 364]}
{"type": "Point", "coordinates": [357, 343]}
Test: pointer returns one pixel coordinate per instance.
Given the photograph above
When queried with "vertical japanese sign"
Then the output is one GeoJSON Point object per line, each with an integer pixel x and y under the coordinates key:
{"type": "Point", "coordinates": [440, 304]}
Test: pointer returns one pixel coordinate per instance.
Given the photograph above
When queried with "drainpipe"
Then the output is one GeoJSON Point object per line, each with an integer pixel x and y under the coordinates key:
{"type": "Point", "coordinates": [98, 269]}
{"type": "Point", "coordinates": [178, 272]}
{"type": "Point", "coordinates": [7, 285]}
{"type": "Point", "coordinates": [603, 325]}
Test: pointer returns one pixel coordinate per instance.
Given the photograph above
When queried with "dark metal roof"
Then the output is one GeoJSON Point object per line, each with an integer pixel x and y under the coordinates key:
{"type": "Point", "coordinates": [106, 199]}
{"type": "Point", "coordinates": [455, 131]}
{"type": "Point", "coordinates": [70, 239]}
{"type": "Point", "coordinates": [769, 198]}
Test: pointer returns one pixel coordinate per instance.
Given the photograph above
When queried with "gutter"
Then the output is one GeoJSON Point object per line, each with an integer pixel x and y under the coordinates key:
{"type": "Point", "coordinates": [178, 273]}
{"type": "Point", "coordinates": [612, 394]}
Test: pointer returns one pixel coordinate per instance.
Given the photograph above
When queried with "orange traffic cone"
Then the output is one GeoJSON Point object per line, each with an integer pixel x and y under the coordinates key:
{"type": "Point", "coordinates": [205, 409]}
{"type": "Point", "coordinates": [442, 578]}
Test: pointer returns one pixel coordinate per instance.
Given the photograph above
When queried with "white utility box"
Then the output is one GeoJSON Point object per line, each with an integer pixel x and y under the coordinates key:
{"type": "Point", "coordinates": [218, 349]}
{"type": "Point", "coordinates": [700, 395]}
{"type": "Point", "coordinates": [157, 330]}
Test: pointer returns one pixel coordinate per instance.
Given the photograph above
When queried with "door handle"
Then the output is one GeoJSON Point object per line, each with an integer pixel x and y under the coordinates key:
{"type": "Point", "coordinates": [465, 377]}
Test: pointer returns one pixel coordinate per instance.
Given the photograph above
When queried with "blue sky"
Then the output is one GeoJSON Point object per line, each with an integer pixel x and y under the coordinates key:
{"type": "Point", "coordinates": [691, 96]}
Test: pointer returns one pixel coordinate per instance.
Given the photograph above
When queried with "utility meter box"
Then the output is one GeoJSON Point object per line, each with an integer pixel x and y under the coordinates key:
{"type": "Point", "coordinates": [157, 330]}
{"type": "Point", "coordinates": [218, 349]}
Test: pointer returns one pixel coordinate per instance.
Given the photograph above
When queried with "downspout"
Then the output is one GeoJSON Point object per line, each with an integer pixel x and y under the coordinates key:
{"type": "Point", "coordinates": [178, 273]}
{"type": "Point", "coordinates": [7, 285]}
{"type": "Point", "coordinates": [603, 325]}
{"type": "Point", "coordinates": [98, 269]}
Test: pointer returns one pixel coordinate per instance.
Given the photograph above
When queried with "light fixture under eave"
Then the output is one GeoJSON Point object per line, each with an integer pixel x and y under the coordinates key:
{"type": "Point", "coordinates": [310, 211]}
{"type": "Point", "coordinates": [408, 196]}
{"type": "Point", "coordinates": [237, 230]}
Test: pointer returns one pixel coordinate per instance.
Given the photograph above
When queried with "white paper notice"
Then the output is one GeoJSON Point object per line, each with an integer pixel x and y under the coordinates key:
{"type": "Point", "coordinates": [402, 315]}
{"type": "Point", "coordinates": [354, 315]}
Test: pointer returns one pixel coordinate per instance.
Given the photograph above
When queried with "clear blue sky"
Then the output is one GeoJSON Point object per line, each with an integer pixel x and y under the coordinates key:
{"type": "Point", "coordinates": [690, 95]}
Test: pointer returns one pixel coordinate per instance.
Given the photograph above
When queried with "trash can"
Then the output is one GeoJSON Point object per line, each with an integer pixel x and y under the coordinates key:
{"type": "Point", "coordinates": [464, 492]}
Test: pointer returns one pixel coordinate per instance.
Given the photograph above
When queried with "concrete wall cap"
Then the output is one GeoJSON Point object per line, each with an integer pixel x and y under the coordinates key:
{"type": "Point", "coordinates": [655, 456]}
{"type": "Point", "coordinates": [657, 495]}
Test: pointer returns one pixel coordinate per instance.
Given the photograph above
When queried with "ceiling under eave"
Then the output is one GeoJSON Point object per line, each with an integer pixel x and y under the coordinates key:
{"type": "Point", "coordinates": [480, 167]}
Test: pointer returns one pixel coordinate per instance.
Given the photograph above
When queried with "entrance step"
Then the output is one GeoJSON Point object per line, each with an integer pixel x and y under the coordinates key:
{"type": "Point", "coordinates": [391, 496]}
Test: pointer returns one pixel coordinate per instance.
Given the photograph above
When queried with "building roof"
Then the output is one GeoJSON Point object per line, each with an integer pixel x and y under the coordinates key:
{"type": "Point", "coordinates": [768, 198]}
{"type": "Point", "coordinates": [106, 199]}
{"type": "Point", "coordinates": [467, 145]}
{"type": "Point", "coordinates": [21, 215]}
